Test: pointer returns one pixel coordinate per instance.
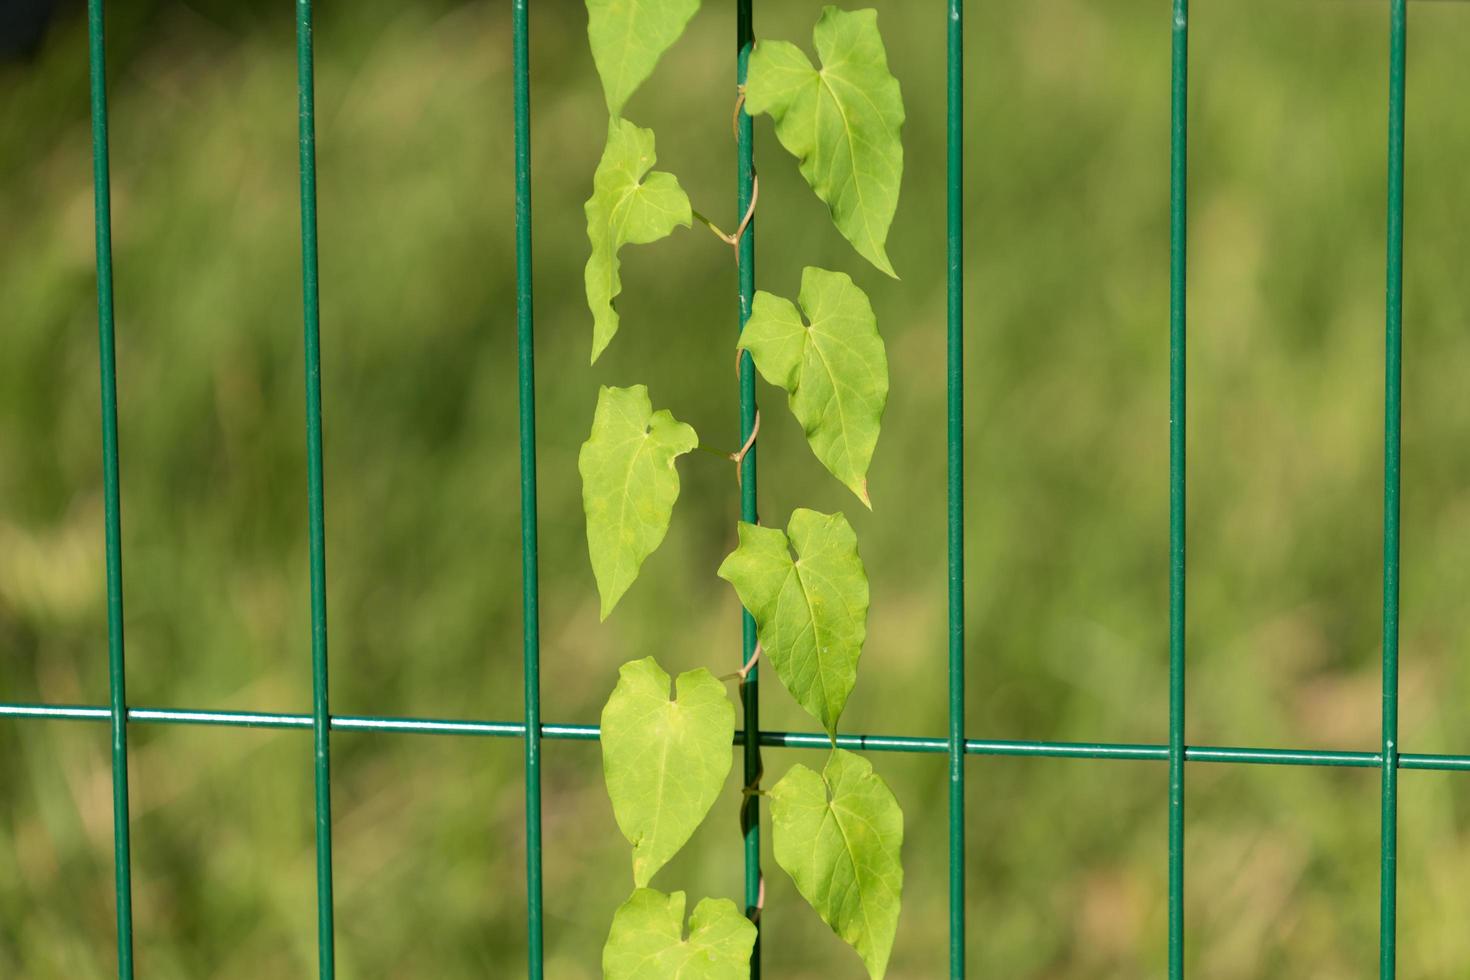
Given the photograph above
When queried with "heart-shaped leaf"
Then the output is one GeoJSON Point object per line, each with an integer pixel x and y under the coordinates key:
{"type": "Point", "coordinates": [841, 122]}
{"type": "Point", "coordinates": [628, 37]}
{"type": "Point", "coordinates": [628, 206]}
{"type": "Point", "coordinates": [665, 758]}
{"type": "Point", "coordinates": [835, 369]}
{"type": "Point", "coordinates": [647, 940]}
{"type": "Point", "coordinates": [629, 485]}
{"type": "Point", "coordinates": [810, 613]}
{"type": "Point", "coordinates": [839, 837]}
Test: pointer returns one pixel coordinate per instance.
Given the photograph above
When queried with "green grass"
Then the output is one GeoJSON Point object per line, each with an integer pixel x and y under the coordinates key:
{"type": "Point", "coordinates": [1067, 510]}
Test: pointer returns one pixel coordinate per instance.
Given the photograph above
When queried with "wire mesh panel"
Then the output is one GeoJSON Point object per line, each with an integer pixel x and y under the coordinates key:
{"type": "Point", "coordinates": [751, 739]}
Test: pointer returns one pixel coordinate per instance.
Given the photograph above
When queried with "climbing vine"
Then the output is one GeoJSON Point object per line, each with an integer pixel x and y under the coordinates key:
{"type": "Point", "coordinates": [666, 743]}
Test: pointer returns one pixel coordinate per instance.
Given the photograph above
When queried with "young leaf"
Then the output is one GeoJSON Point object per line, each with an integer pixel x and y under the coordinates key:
{"type": "Point", "coordinates": [628, 205]}
{"type": "Point", "coordinates": [628, 37]}
{"type": "Point", "coordinates": [629, 485]}
{"type": "Point", "coordinates": [841, 122]}
{"type": "Point", "coordinates": [838, 836]}
{"type": "Point", "coordinates": [665, 759]}
{"type": "Point", "coordinates": [811, 613]}
{"type": "Point", "coordinates": [647, 940]}
{"type": "Point", "coordinates": [835, 370]}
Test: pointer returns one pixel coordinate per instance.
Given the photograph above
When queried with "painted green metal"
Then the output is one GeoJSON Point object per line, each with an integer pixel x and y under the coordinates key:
{"type": "Point", "coordinates": [321, 718]}
{"type": "Point", "coordinates": [118, 715]}
{"type": "Point", "coordinates": [1392, 427]}
{"type": "Point", "coordinates": [1109, 751]}
{"type": "Point", "coordinates": [530, 575]}
{"type": "Point", "coordinates": [955, 364]}
{"type": "Point", "coordinates": [111, 493]}
{"type": "Point", "coordinates": [1178, 241]}
{"type": "Point", "coordinates": [750, 823]}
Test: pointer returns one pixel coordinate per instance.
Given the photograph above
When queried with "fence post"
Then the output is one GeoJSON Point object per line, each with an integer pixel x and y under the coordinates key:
{"type": "Point", "coordinates": [1178, 247]}
{"type": "Point", "coordinates": [1392, 425]}
{"type": "Point", "coordinates": [530, 580]}
{"type": "Point", "coordinates": [750, 825]}
{"type": "Point", "coordinates": [111, 492]}
{"type": "Point", "coordinates": [320, 716]}
{"type": "Point", "coordinates": [955, 411]}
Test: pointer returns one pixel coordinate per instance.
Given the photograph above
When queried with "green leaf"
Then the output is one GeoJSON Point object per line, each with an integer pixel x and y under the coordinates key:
{"type": "Point", "coordinates": [665, 757]}
{"type": "Point", "coordinates": [628, 37]}
{"type": "Point", "coordinates": [628, 206]}
{"type": "Point", "coordinates": [835, 369]}
{"type": "Point", "coordinates": [647, 940]}
{"type": "Point", "coordinates": [838, 836]}
{"type": "Point", "coordinates": [811, 614]}
{"type": "Point", "coordinates": [841, 122]}
{"type": "Point", "coordinates": [629, 485]}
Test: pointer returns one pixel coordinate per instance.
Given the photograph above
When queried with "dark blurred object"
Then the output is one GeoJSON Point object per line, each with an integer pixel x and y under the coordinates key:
{"type": "Point", "coordinates": [23, 25]}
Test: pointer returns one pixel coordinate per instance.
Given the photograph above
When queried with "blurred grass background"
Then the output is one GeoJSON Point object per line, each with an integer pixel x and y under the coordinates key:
{"type": "Point", "coordinates": [1067, 193]}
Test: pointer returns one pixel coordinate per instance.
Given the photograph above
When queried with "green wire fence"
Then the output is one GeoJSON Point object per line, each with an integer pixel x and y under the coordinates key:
{"type": "Point", "coordinates": [119, 715]}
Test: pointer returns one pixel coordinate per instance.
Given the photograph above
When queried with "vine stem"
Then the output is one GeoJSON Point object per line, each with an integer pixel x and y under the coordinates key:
{"type": "Point", "coordinates": [734, 240]}
{"type": "Point", "coordinates": [737, 457]}
{"type": "Point", "coordinates": [735, 114]}
{"type": "Point", "coordinates": [727, 239]}
{"type": "Point", "coordinates": [714, 452]}
{"type": "Point", "coordinates": [755, 195]}
{"type": "Point", "coordinates": [755, 430]}
{"type": "Point", "coordinates": [744, 672]}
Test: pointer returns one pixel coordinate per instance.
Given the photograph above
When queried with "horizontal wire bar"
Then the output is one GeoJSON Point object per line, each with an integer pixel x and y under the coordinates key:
{"type": "Point", "coordinates": [775, 739]}
{"type": "Point", "coordinates": [1442, 763]}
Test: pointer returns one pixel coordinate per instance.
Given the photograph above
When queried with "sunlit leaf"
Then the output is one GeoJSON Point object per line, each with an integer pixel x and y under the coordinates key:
{"type": "Point", "coordinates": [628, 37]}
{"type": "Point", "coordinates": [810, 613]}
{"type": "Point", "coordinates": [629, 485]}
{"type": "Point", "coordinates": [841, 122]}
{"type": "Point", "coordinates": [834, 367]}
{"type": "Point", "coordinates": [647, 940]}
{"type": "Point", "coordinates": [839, 837]}
{"type": "Point", "coordinates": [628, 206]}
{"type": "Point", "coordinates": [665, 757]}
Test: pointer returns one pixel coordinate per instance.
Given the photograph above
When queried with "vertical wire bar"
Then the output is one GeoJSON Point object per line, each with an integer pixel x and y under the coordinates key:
{"type": "Point", "coordinates": [321, 720]}
{"type": "Point", "coordinates": [530, 576]}
{"type": "Point", "coordinates": [1392, 424]}
{"type": "Point", "coordinates": [956, 490]}
{"type": "Point", "coordinates": [112, 497]}
{"type": "Point", "coordinates": [749, 690]}
{"type": "Point", "coordinates": [1178, 232]}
